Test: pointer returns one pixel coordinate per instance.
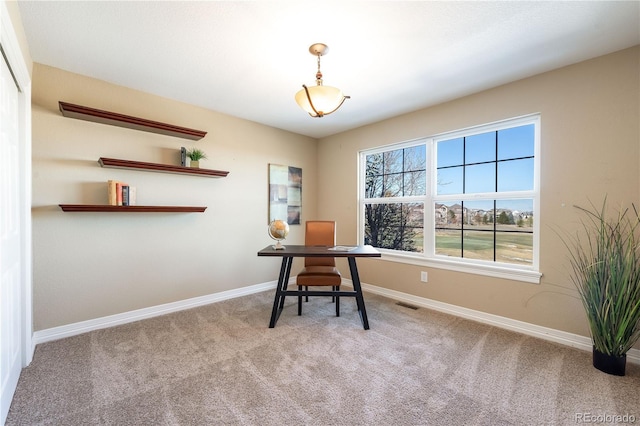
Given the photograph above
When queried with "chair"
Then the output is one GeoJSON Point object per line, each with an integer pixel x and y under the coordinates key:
{"type": "Point", "coordinates": [319, 271]}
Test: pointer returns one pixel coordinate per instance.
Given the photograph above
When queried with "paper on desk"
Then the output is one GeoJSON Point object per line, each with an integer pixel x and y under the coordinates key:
{"type": "Point", "coordinates": [342, 248]}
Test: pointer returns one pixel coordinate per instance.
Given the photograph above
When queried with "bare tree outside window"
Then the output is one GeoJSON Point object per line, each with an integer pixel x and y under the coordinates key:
{"type": "Point", "coordinates": [394, 174]}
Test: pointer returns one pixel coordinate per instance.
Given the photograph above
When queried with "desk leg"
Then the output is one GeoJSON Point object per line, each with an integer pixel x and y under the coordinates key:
{"type": "Point", "coordinates": [285, 283]}
{"type": "Point", "coordinates": [283, 279]}
{"type": "Point", "coordinates": [355, 279]}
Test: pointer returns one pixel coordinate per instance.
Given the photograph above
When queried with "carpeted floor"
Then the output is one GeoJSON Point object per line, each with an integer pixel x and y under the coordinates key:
{"type": "Point", "coordinates": [221, 365]}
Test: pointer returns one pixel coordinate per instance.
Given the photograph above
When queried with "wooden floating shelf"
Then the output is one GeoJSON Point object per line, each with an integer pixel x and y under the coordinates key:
{"type": "Point", "coordinates": [130, 209]}
{"type": "Point", "coordinates": [127, 121]}
{"type": "Point", "coordinates": [154, 167]}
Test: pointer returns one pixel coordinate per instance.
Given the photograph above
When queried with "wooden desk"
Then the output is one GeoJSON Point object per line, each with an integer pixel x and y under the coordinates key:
{"type": "Point", "coordinates": [292, 251]}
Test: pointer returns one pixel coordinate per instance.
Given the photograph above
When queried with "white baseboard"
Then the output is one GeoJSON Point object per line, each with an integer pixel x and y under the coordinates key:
{"type": "Point", "coordinates": [545, 333]}
{"type": "Point", "coordinates": [74, 329]}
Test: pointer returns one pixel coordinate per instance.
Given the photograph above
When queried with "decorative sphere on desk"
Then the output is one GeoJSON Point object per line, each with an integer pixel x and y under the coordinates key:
{"type": "Point", "coordinates": [278, 230]}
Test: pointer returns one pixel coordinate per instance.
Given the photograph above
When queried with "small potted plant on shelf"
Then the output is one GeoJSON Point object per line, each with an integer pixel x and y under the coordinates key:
{"type": "Point", "coordinates": [605, 261]}
{"type": "Point", "coordinates": [195, 155]}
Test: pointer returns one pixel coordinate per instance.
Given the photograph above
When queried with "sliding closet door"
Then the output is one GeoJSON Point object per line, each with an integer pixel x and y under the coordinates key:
{"type": "Point", "coordinates": [10, 241]}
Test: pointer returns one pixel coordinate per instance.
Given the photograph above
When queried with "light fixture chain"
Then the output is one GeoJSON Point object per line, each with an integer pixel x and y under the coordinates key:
{"type": "Point", "coordinates": [319, 73]}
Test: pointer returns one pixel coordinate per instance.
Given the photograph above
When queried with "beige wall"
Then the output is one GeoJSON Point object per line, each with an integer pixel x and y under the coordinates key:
{"type": "Point", "coordinates": [90, 265]}
{"type": "Point", "coordinates": [589, 148]}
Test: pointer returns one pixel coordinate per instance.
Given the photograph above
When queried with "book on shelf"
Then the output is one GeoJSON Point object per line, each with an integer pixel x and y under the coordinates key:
{"type": "Point", "coordinates": [132, 196]}
{"type": "Point", "coordinates": [125, 195]}
{"type": "Point", "coordinates": [111, 192]}
{"type": "Point", "coordinates": [120, 193]}
{"type": "Point", "coordinates": [183, 156]}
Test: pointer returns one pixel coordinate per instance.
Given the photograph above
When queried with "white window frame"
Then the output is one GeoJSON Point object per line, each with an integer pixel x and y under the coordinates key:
{"type": "Point", "coordinates": [428, 258]}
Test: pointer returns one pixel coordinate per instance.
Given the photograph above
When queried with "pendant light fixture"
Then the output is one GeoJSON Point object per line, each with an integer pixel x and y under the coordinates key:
{"type": "Point", "coordinates": [320, 100]}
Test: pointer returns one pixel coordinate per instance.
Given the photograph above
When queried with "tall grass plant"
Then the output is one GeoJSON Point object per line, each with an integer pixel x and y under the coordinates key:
{"type": "Point", "coordinates": [605, 261]}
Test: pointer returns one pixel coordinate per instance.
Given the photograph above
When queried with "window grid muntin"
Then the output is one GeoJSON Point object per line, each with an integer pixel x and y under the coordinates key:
{"type": "Point", "coordinates": [494, 230]}
{"type": "Point", "coordinates": [496, 160]}
{"type": "Point", "coordinates": [394, 176]}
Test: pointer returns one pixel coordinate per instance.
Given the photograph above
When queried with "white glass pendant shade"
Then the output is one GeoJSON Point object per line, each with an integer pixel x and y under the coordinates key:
{"type": "Point", "coordinates": [325, 99]}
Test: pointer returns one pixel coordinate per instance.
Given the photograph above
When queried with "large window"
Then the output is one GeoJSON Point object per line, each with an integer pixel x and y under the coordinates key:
{"type": "Point", "coordinates": [462, 200]}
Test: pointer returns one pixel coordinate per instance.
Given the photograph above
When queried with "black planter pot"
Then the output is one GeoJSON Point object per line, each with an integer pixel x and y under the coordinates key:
{"type": "Point", "coordinates": [609, 364]}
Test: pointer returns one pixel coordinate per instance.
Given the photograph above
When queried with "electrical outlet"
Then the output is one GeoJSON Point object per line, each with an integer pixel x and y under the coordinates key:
{"type": "Point", "coordinates": [424, 277]}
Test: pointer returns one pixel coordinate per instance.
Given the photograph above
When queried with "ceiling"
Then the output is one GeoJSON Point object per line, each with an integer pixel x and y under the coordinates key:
{"type": "Point", "coordinates": [249, 58]}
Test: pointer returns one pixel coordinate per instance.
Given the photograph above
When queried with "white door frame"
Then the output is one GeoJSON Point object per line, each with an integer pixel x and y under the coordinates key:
{"type": "Point", "coordinates": [15, 58]}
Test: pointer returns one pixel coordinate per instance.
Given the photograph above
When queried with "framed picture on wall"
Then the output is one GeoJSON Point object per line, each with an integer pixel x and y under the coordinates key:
{"type": "Point", "coordinates": [285, 193]}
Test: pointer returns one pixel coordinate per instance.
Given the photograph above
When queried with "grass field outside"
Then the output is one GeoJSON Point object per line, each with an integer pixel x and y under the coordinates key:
{"type": "Point", "coordinates": [477, 242]}
{"type": "Point", "coordinates": [510, 247]}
